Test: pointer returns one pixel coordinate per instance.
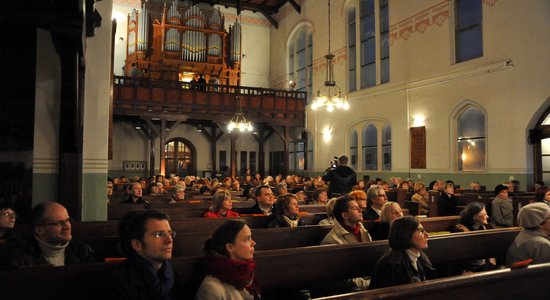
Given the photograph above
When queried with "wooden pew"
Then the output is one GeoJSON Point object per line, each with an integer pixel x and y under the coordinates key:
{"type": "Point", "coordinates": [529, 283]}
{"type": "Point", "coordinates": [435, 224]}
{"type": "Point", "coordinates": [179, 211]}
{"type": "Point", "coordinates": [300, 267]}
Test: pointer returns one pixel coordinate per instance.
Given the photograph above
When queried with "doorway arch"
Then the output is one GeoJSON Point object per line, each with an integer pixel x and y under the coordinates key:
{"type": "Point", "coordinates": [539, 137]}
{"type": "Point", "coordinates": [180, 156]}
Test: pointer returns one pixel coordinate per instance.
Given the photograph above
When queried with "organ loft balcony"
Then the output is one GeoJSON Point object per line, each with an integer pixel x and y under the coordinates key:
{"type": "Point", "coordinates": [180, 101]}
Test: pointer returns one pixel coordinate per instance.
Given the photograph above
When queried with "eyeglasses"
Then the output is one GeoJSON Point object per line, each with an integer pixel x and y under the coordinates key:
{"type": "Point", "coordinates": [58, 223]}
{"type": "Point", "coordinates": [9, 215]}
{"type": "Point", "coordinates": [163, 234]}
{"type": "Point", "coordinates": [421, 230]}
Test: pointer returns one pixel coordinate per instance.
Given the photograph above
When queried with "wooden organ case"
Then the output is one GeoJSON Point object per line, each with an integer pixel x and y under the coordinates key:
{"type": "Point", "coordinates": [171, 42]}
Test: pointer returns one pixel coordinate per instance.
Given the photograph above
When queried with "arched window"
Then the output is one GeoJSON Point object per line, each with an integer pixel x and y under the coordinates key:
{"type": "Point", "coordinates": [386, 147]}
{"type": "Point", "coordinates": [180, 157]}
{"type": "Point", "coordinates": [471, 140]}
{"type": "Point", "coordinates": [353, 149]}
{"type": "Point", "coordinates": [352, 63]}
{"type": "Point", "coordinates": [370, 146]}
{"type": "Point", "coordinates": [368, 43]}
{"type": "Point", "coordinates": [300, 59]}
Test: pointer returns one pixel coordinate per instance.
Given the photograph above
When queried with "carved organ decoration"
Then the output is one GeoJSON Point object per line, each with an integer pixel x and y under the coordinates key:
{"type": "Point", "coordinates": [170, 41]}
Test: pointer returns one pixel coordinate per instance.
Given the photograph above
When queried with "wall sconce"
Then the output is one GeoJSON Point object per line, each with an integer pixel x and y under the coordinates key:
{"type": "Point", "coordinates": [327, 135]}
{"type": "Point", "coordinates": [419, 121]}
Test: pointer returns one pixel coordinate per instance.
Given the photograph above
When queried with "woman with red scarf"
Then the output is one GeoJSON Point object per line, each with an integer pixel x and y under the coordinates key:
{"type": "Point", "coordinates": [229, 264]}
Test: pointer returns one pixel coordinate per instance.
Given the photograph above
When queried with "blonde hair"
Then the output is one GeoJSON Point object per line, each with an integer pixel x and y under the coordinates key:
{"type": "Point", "coordinates": [385, 215]}
{"type": "Point", "coordinates": [218, 198]}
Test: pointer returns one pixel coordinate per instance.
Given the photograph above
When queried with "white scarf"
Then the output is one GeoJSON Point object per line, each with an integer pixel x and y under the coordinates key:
{"type": "Point", "coordinates": [54, 254]}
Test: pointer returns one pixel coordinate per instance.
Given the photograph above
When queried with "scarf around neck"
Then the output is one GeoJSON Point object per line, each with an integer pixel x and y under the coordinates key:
{"type": "Point", "coordinates": [356, 231]}
{"type": "Point", "coordinates": [160, 282]}
{"type": "Point", "coordinates": [54, 254]}
{"type": "Point", "coordinates": [236, 272]}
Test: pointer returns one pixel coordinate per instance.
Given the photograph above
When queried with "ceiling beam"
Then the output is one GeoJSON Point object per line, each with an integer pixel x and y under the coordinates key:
{"type": "Point", "coordinates": [295, 5]}
{"type": "Point", "coordinates": [270, 19]}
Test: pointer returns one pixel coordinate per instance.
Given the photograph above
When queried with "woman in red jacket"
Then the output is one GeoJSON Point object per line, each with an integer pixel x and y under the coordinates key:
{"type": "Point", "coordinates": [221, 206]}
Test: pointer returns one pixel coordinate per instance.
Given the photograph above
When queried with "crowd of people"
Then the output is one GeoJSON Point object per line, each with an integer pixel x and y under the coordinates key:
{"type": "Point", "coordinates": [146, 238]}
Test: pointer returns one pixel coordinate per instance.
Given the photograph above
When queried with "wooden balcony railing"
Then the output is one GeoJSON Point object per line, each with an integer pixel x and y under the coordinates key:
{"type": "Point", "coordinates": [217, 103]}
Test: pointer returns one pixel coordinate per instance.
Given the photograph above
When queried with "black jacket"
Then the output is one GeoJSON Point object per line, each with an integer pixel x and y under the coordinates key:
{"type": "Point", "coordinates": [380, 231]}
{"type": "Point", "coordinates": [370, 215]}
{"type": "Point", "coordinates": [446, 205]}
{"type": "Point", "coordinates": [342, 179]}
{"type": "Point", "coordinates": [31, 255]}
{"type": "Point", "coordinates": [279, 221]}
{"type": "Point", "coordinates": [395, 268]}
{"type": "Point", "coordinates": [254, 210]}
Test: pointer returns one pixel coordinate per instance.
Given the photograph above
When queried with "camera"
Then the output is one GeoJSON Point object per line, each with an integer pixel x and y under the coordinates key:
{"type": "Point", "coordinates": [334, 162]}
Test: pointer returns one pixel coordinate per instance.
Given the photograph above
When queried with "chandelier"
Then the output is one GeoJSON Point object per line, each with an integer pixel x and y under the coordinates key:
{"type": "Point", "coordinates": [330, 95]}
{"type": "Point", "coordinates": [239, 121]}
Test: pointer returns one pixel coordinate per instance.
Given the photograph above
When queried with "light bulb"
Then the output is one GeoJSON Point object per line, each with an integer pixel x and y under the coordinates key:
{"type": "Point", "coordinates": [330, 108]}
{"type": "Point", "coordinates": [346, 105]}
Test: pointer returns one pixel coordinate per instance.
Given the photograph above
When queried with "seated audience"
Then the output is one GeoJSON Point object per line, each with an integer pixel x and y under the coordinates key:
{"type": "Point", "coordinates": [221, 206]}
{"type": "Point", "coordinates": [474, 217]}
{"type": "Point", "coordinates": [446, 206]}
{"type": "Point", "coordinates": [146, 239]}
{"type": "Point", "coordinates": [264, 202]}
{"type": "Point", "coordinates": [376, 197]}
{"type": "Point", "coordinates": [405, 262]}
{"type": "Point", "coordinates": [52, 243]}
{"type": "Point", "coordinates": [135, 194]}
{"type": "Point", "coordinates": [330, 213]}
{"type": "Point", "coordinates": [475, 186]}
{"type": "Point", "coordinates": [361, 198]}
{"type": "Point", "coordinates": [533, 242]}
{"type": "Point", "coordinates": [178, 194]}
{"type": "Point", "coordinates": [319, 197]}
{"type": "Point", "coordinates": [300, 193]}
{"type": "Point", "coordinates": [229, 264]}
{"type": "Point", "coordinates": [348, 229]}
{"type": "Point", "coordinates": [287, 212]}
{"type": "Point", "coordinates": [280, 189]}
{"type": "Point", "coordinates": [422, 197]}
{"type": "Point", "coordinates": [404, 185]}
{"type": "Point", "coordinates": [110, 188]}
{"type": "Point", "coordinates": [390, 211]}
{"type": "Point", "coordinates": [502, 207]}
{"type": "Point", "coordinates": [542, 194]}
{"type": "Point", "coordinates": [7, 223]}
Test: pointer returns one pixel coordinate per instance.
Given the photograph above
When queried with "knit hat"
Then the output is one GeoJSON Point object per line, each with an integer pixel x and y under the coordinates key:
{"type": "Point", "coordinates": [532, 215]}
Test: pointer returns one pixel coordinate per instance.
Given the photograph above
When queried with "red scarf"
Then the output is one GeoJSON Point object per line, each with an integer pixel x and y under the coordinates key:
{"type": "Point", "coordinates": [239, 273]}
{"type": "Point", "coordinates": [356, 231]}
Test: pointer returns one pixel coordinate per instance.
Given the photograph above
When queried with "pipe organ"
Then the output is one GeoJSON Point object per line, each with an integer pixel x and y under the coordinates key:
{"type": "Point", "coordinates": [166, 40]}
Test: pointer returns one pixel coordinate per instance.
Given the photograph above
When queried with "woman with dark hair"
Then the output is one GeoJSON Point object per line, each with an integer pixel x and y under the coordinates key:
{"type": "Point", "coordinates": [542, 194]}
{"type": "Point", "coordinates": [221, 206]}
{"type": "Point", "coordinates": [7, 223]}
{"type": "Point", "coordinates": [446, 206]}
{"type": "Point", "coordinates": [320, 196]}
{"type": "Point", "coordinates": [229, 264]}
{"type": "Point", "coordinates": [474, 217]}
{"type": "Point", "coordinates": [405, 262]}
{"type": "Point", "coordinates": [287, 212]}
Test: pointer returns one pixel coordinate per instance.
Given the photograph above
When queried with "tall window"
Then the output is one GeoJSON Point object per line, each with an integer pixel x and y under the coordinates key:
{"type": "Point", "coordinates": [386, 147]}
{"type": "Point", "coordinates": [370, 147]}
{"type": "Point", "coordinates": [300, 59]}
{"type": "Point", "coordinates": [179, 157]}
{"type": "Point", "coordinates": [468, 29]}
{"type": "Point", "coordinates": [471, 140]}
{"type": "Point", "coordinates": [291, 157]}
{"type": "Point", "coordinates": [352, 78]}
{"type": "Point", "coordinates": [384, 42]}
{"type": "Point", "coordinates": [368, 43]}
{"type": "Point", "coordinates": [353, 149]}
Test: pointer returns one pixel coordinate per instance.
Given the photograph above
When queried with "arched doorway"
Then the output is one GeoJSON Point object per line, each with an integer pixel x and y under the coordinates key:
{"type": "Point", "coordinates": [180, 157]}
{"type": "Point", "coordinates": [540, 138]}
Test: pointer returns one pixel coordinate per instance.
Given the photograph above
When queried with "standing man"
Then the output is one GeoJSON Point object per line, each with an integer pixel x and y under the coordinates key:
{"type": "Point", "coordinates": [341, 178]}
{"type": "Point", "coordinates": [264, 202]}
{"type": "Point", "coordinates": [146, 239]}
{"type": "Point", "coordinates": [52, 242]}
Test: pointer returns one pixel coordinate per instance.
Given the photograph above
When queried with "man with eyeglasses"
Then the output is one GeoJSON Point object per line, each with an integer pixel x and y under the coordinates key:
{"type": "Point", "coordinates": [348, 229]}
{"type": "Point", "coordinates": [52, 242]}
{"type": "Point", "coordinates": [376, 197]}
{"type": "Point", "coordinates": [147, 240]}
